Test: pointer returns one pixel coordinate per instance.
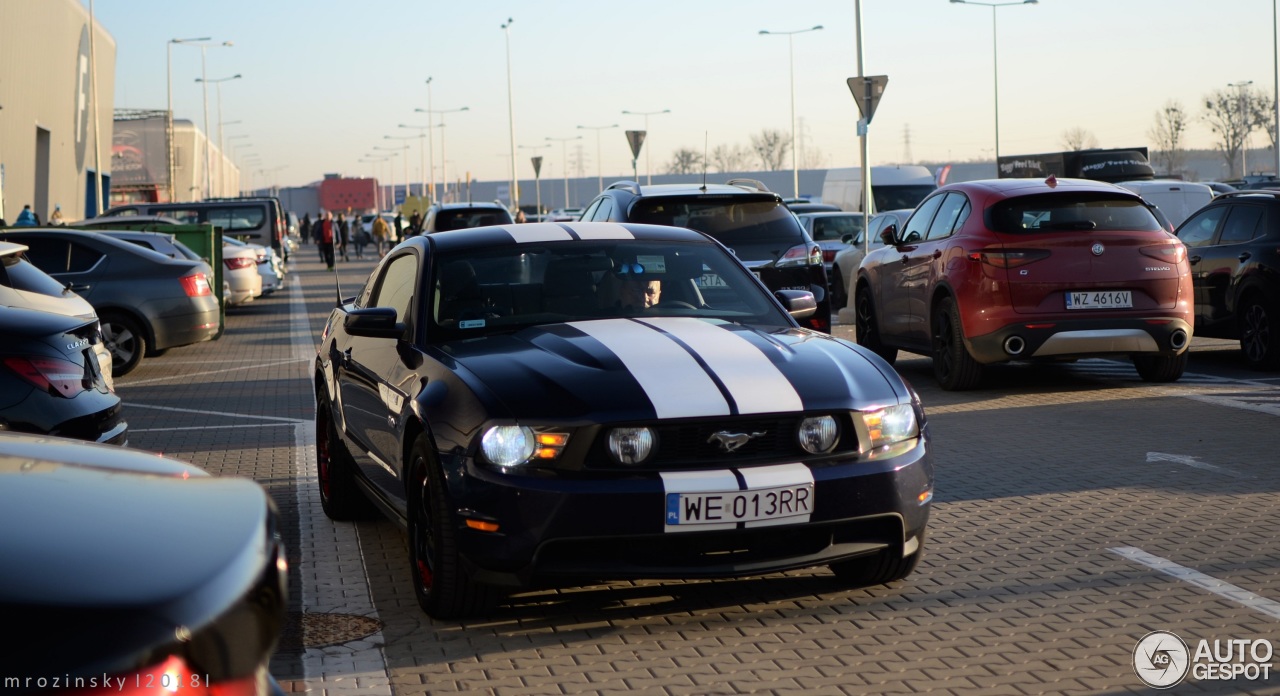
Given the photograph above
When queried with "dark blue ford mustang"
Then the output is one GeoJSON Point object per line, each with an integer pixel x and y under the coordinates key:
{"type": "Point", "coordinates": [548, 402]}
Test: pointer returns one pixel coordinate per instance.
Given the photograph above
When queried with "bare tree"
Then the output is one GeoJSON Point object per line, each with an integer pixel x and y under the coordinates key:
{"type": "Point", "coordinates": [730, 158]}
{"type": "Point", "coordinates": [685, 161]}
{"type": "Point", "coordinates": [1076, 139]}
{"type": "Point", "coordinates": [1262, 113]}
{"type": "Point", "coordinates": [1228, 115]}
{"type": "Point", "coordinates": [1167, 134]}
{"type": "Point", "coordinates": [771, 147]}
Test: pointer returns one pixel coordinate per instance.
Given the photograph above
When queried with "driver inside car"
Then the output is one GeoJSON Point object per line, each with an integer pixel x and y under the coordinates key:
{"type": "Point", "coordinates": [629, 288]}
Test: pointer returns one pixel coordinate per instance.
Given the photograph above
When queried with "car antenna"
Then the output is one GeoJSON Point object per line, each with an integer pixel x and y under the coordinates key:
{"type": "Point", "coordinates": [337, 288]}
{"type": "Point", "coordinates": [705, 138]}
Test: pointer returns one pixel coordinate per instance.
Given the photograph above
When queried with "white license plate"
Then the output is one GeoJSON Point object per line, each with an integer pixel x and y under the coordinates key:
{"type": "Point", "coordinates": [721, 507]}
{"type": "Point", "coordinates": [1100, 299]}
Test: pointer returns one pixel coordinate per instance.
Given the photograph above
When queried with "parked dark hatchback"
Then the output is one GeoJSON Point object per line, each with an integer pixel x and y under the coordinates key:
{"type": "Point", "coordinates": [1233, 244]}
{"type": "Point", "coordinates": [1028, 269]}
{"type": "Point", "coordinates": [132, 573]}
{"type": "Point", "coordinates": [743, 215]}
{"type": "Point", "coordinates": [146, 301]}
{"type": "Point", "coordinates": [557, 401]}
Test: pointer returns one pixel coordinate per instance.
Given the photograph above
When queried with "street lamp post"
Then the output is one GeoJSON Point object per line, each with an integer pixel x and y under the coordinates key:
{"type": "Point", "coordinates": [648, 165]}
{"type": "Point", "coordinates": [374, 160]}
{"type": "Point", "coordinates": [564, 148]}
{"type": "Point", "coordinates": [169, 92]}
{"type": "Point", "coordinates": [217, 84]}
{"type": "Point", "coordinates": [205, 88]}
{"type": "Point", "coordinates": [402, 150]}
{"type": "Point", "coordinates": [428, 159]}
{"type": "Point", "coordinates": [1244, 124]}
{"type": "Point", "coordinates": [599, 162]}
{"type": "Point", "coordinates": [995, 56]}
{"type": "Point", "coordinates": [444, 171]}
{"type": "Point", "coordinates": [511, 121]}
{"type": "Point", "coordinates": [791, 57]}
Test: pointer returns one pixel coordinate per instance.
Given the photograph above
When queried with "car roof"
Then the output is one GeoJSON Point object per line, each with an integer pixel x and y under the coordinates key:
{"type": "Point", "coordinates": [1028, 187]}
{"type": "Point", "coordinates": [117, 219]}
{"type": "Point", "coordinates": [476, 204]}
{"type": "Point", "coordinates": [95, 235]}
{"type": "Point", "coordinates": [501, 235]}
{"type": "Point", "coordinates": [695, 189]}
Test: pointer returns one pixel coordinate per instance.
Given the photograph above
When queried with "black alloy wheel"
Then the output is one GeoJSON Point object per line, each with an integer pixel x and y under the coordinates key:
{"type": "Point", "coordinates": [839, 293]}
{"type": "Point", "coordinates": [440, 584]}
{"type": "Point", "coordinates": [1260, 335]}
{"type": "Point", "coordinates": [953, 366]}
{"type": "Point", "coordinates": [1161, 368]}
{"type": "Point", "coordinates": [340, 498]}
{"type": "Point", "coordinates": [867, 329]}
{"type": "Point", "coordinates": [125, 340]}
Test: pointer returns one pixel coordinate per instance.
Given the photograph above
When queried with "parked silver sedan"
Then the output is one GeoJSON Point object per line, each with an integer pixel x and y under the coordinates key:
{"type": "Point", "coordinates": [845, 265]}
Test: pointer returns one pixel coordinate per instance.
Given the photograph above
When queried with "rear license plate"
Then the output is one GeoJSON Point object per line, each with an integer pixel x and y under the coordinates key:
{"type": "Point", "coordinates": [720, 507]}
{"type": "Point", "coordinates": [1100, 299]}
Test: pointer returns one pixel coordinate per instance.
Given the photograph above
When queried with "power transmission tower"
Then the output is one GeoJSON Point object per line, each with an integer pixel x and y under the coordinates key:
{"type": "Point", "coordinates": [906, 144]}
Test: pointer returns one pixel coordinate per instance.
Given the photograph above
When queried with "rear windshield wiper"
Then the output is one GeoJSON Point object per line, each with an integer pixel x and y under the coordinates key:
{"type": "Point", "coordinates": [1069, 225]}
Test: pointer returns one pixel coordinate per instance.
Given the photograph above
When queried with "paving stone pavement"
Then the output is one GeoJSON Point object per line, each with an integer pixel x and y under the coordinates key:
{"type": "Point", "coordinates": [1041, 473]}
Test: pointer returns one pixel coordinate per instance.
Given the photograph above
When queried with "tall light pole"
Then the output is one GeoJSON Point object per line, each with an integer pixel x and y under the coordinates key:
{"type": "Point", "coordinates": [428, 172]}
{"type": "Point", "coordinates": [564, 148]}
{"type": "Point", "coordinates": [995, 57]}
{"type": "Point", "coordinates": [168, 69]}
{"type": "Point", "coordinates": [406, 156]}
{"type": "Point", "coordinates": [402, 150]}
{"type": "Point", "coordinates": [511, 120]}
{"type": "Point", "coordinates": [1242, 100]}
{"type": "Point", "coordinates": [791, 57]}
{"type": "Point", "coordinates": [599, 162]}
{"type": "Point", "coordinates": [217, 84]}
{"type": "Point", "coordinates": [648, 165]}
{"type": "Point", "coordinates": [374, 160]}
{"type": "Point", "coordinates": [204, 79]}
{"type": "Point", "coordinates": [444, 172]}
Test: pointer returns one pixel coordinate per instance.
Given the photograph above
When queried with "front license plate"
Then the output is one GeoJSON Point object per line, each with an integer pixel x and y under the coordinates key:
{"type": "Point", "coordinates": [1100, 299]}
{"type": "Point", "coordinates": [721, 507]}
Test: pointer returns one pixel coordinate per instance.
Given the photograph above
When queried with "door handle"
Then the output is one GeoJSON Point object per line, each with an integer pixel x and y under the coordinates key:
{"type": "Point", "coordinates": [937, 253]}
{"type": "Point", "coordinates": [1244, 257]}
{"type": "Point", "coordinates": [81, 287]}
{"type": "Point", "coordinates": [1194, 259]}
{"type": "Point", "coordinates": [905, 258]}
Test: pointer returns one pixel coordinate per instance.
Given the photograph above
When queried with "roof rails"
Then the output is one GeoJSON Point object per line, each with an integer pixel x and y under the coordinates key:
{"type": "Point", "coordinates": [632, 186]}
{"type": "Point", "coordinates": [1274, 193]}
{"type": "Point", "coordinates": [750, 183]}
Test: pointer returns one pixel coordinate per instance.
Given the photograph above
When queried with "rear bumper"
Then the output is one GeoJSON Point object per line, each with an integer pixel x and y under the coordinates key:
{"type": "Point", "coordinates": [1082, 337]}
{"type": "Point", "coordinates": [176, 330]}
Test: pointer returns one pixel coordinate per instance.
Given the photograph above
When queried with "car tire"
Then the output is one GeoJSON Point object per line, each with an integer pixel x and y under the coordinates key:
{"type": "Point", "coordinates": [1161, 368]}
{"type": "Point", "coordinates": [867, 326]}
{"type": "Point", "coordinates": [884, 566]}
{"type": "Point", "coordinates": [125, 341]}
{"type": "Point", "coordinates": [442, 586]}
{"type": "Point", "coordinates": [340, 497]}
{"type": "Point", "coordinates": [953, 366]}
{"type": "Point", "coordinates": [839, 294]}
{"type": "Point", "coordinates": [1260, 334]}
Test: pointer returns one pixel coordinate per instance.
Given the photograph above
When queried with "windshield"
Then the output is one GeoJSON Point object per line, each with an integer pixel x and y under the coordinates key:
{"type": "Point", "coordinates": [514, 287]}
{"type": "Point", "coordinates": [1072, 212]}
{"type": "Point", "coordinates": [755, 227]}
{"type": "Point", "coordinates": [465, 218]}
{"type": "Point", "coordinates": [896, 197]}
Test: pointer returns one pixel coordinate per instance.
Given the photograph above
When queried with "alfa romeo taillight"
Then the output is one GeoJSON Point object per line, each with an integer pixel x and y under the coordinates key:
{"type": "Point", "coordinates": [1169, 252]}
{"type": "Point", "coordinates": [196, 285]}
{"type": "Point", "coordinates": [54, 375]}
{"type": "Point", "coordinates": [1009, 258]}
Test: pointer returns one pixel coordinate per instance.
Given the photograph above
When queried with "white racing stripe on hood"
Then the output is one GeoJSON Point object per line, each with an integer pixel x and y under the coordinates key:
{"type": "Point", "coordinates": [675, 383]}
{"type": "Point", "coordinates": [754, 382]}
{"type": "Point", "coordinates": [537, 232]}
{"type": "Point", "coordinates": [600, 230]}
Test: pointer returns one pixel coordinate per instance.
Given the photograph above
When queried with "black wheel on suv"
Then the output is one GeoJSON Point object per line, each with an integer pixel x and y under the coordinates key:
{"type": "Point", "coordinates": [1260, 333]}
{"type": "Point", "coordinates": [953, 367]}
{"type": "Point", "coordinates": [839, 292]}
{"type": "Point", "coordinates": [866, 326]}
{"type": "Point", "coordinates": [1161, 368]}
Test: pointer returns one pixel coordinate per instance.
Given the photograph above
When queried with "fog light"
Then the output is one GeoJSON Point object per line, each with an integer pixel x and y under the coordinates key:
{"type": "Point", "coordinates": [630, 445]}
{"type": "Point", "coordinates": [507, 445]}
{"type": "Point", "coordinates": [818, 435]}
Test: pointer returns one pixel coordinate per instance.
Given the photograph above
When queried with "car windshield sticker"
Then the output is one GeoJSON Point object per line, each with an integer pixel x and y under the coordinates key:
{"type": "Point", "coordinates": [652, 264]}
{"type": "Point", "coordinates": [754, 382]}
{"type": "Point", "coordinates": [677, 386]}
{"type": "Point", "coordinates": [537, 232]}
{"type": "Point", "coordinates": [601, 230]}
{"type": "Point", "coordinates": [471, 324]}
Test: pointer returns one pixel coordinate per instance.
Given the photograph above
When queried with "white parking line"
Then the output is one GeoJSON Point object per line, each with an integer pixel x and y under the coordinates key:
{"type": "Point", "coordinates": [217, 413]}
{"type": "Point", "coordinates": [189, 375]}
{"type": "Point", "coordinates": [326, 552]}
{"type": "Point", "coordinates": [211, 427]}
{"type": "Point", "coordinates": [1205, 582]}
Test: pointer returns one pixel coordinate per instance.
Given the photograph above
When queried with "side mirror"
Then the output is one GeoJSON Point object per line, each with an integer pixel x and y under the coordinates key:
{"type": "Point", "coordinates": [847, 238]}
{"type": "Point", "coordinates": [888, 234]}
{"type": "Point", "coordinates": [373, 322]}
{"type": "Point", "coordinates": [800, 304]}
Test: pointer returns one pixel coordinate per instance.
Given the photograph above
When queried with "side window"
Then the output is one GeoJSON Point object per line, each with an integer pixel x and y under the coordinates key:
{"type": "Point", "coordinates": [397, 285]}
{"type": "Point", "coordinates": [240, 218]}
{"type": "Point", "coordinates": [918, 226]}
{"type": "Point", "coordinates": [49, 255]}
{"type": "Point", "coordinates": [604, 213]}
{"type": "Point", "coordinates": [590, 212]}
{"type": "Point", "coordinates": [1242, 224]}
{"type": "Point", "coordinates": [187, 216]}
{"type": "Point", "coordinates": [1199, 230]}
{"type": "Point", "coordinates": [82, 258]}
{"type": "Point", "coordinates": [951, 214]}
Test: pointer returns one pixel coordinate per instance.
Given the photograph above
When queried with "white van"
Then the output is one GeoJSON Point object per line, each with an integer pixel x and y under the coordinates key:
{"type": "Point", "coordinates": [1176, 199]}
{"type": "Point", "coordinates": [892, 187]}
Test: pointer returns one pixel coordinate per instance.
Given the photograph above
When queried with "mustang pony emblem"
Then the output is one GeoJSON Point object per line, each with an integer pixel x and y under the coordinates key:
{"type": "Point", "coordinates": [731, 441]}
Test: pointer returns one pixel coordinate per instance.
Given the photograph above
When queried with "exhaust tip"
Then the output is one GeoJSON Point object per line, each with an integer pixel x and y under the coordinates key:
{"type": "Point", "coordinates": [1014, 345]}
{"type": "Point", "coordinates": [1178, 340]}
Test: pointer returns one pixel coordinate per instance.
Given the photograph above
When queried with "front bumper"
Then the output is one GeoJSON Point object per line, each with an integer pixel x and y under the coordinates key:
{"type": "Point", "coordinates": [573, 528]}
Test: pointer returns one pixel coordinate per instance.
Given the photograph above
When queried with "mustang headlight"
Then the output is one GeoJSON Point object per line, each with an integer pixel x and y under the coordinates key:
{"type": "Point", "coordinates": [630, 445]}
{"type": "Point", "coordinates": [508, 445]}
{"type": "Point", "coordinates": [818, 435]}
{"type": "Point", "coordinates": [890, 425]}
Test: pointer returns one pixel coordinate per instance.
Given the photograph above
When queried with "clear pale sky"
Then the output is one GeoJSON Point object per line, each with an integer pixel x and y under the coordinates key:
{"type": "Point", "coordinates": [324, 81]}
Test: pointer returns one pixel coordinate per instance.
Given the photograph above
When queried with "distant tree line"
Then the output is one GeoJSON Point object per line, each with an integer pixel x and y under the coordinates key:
{"type": "Point", "coordinates": [770, 150]}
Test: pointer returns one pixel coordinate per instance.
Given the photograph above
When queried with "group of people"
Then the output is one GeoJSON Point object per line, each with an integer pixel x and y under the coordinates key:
{"type": "Point", "coordinates": [30, 218]}
{"type": "Point", "coordinates": [337, 237]}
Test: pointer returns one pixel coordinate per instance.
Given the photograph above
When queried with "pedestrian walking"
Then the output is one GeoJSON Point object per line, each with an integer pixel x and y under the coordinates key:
{"type": "Point", "coordinates": [380, 233]}
{"type": "Point", "coordinates": [325, 234]}
{"type": "Point", "coordinates": [315, 234]}
{"type": "Point", "coordinates": [399, 226]}
{"type": "Point", "coordinates": [415, 223]}
{"type": "Point", "coordinates": [359, 237]}
{"type": "Point", "coordinates": [343, 237]}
